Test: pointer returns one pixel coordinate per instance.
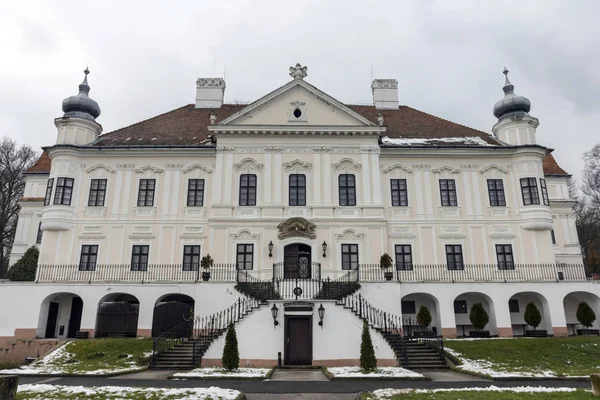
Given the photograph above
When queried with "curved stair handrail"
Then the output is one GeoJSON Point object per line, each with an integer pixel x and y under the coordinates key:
{"type": "Point", "coordinates": [413, 329]}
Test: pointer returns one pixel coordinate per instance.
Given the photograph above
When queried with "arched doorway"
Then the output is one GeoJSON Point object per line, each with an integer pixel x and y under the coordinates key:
{"type": "Point", "coordinates": [297, 261]}
{"type": "Point", "coordinates": [571, 302]}
{"type": "Point", "coordinates": [517, 305]}
{"type": "Point", "coordinates": [117, 316]}
{"type": "Point", "coordinates": [60, 316]}
{"type": "Point", "coordinates": [171, 311]}
{"type": "Point", "coordinates": [411, 304]}
{"type": "Point", "coordinates": [462, 309]}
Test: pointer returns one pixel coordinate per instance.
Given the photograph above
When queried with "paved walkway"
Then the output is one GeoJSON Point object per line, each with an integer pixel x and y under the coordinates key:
{"type": "Point", "coordinates": [302, 396]}
{"type": "Point", "coordinates": [451, 376]}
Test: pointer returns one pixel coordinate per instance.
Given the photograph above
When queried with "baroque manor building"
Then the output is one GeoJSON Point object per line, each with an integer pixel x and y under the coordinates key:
{"type": "Point", "coordinates": [295, 196]}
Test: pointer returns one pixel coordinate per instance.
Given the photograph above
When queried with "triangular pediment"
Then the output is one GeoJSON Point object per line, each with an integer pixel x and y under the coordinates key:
{"type": "Point", "coordinates": [297, 103]}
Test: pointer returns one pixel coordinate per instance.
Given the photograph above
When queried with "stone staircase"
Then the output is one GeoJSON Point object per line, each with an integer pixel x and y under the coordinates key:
{"type": "Point", "coordinates": [336, 290]}
{"type": "Point", "coordinates": [186, 353]}
{"type": "Point", "coordinates": [260, 290]}
{"type": "Point", "coordinates": [415, 353]}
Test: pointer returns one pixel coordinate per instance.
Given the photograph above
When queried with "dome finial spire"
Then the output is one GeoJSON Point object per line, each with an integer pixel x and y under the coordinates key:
{"type": "Point", "coordinates": [508, 86]}
{"type": "Point", "coordinates": [81, 105]}
{"type": "Point", "coordinates": [511, 104]}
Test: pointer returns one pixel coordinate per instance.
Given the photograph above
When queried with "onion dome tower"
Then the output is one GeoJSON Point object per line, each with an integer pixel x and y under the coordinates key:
{"type": "Point", "coordinates": [515, 126]}
{"type": "Point", "coordinates": [78, 124]}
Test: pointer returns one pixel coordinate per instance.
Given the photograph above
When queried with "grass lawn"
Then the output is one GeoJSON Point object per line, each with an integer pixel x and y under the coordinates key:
{"type": "Point", "coordinates": [95, 356]}
{"type": "Point", "coordinates": [49, 392]}
{"type": "Point", "coordinates": [573, 356]}
{"type": "Point", "coordinates": [487, 395]}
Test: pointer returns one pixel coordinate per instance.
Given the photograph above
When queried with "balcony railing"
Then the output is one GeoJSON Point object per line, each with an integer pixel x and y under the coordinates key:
{"type": "Point", "coordinates": [153, 273]}
{"type": "Point", "coordinates": [478, 273]}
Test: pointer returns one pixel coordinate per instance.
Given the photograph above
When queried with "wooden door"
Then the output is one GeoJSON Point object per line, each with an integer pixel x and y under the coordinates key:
{"type": "Point", "coordinates": [52, 317]}
{"type": "Point", "coordinates": [75, 318]}
{"type": "Point", "coordinates": [298, 340]}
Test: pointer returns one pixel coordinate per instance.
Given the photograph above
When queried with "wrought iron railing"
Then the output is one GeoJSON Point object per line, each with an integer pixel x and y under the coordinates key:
{"type": "Point", "coordinates": [201, 331]}
{"type": "Point", "coordinates": [476, 273]}
{"type": "Point", "coordinates": [413, 330]}
{"type": "Point", "coordinates": [123, 273]}
{"type": "Point", "coordinates": [310, 271]}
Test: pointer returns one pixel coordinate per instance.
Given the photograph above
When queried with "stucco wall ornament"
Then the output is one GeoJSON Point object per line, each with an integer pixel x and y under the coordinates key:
{"type": "Point", "coordinates": [493, 166]}
{"type": "Point", "coordinates": [197, 166]}
{"type": "Point", "coordinates": [101, 166]}
{"type": "Point", "coordinates": [296, 226]}
{"type": "Point", "coordinates": [298, 72]}
{"type": "Point", "coordinates": [297, 166]}
{"type": "Point", "coordinates": [248, 164]}
{"type": "Point", "coordinates": [346, 164]}
{"type": "Point", "coordinates": [385, 170]}
{"type": "Point", "coordinates": [148, 168]}
{"type": "Point", "coordinates": [349, 234]}
{"type": "Point", "coordinates": [446, 168]}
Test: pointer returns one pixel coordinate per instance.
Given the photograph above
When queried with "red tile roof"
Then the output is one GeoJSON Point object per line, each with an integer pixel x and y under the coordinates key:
{"type": "Point", "coordinates": [188, 125]}
{"type": "Point", "coordinates": [551, 167]}
{"type": "Point", "coordinates": [41, 166]}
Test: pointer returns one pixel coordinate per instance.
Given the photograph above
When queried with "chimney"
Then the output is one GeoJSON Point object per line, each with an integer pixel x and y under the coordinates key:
{"type": "Point", "coordinates": [385, 94]}
{"type": "Point", "coordinates": [210, 92]}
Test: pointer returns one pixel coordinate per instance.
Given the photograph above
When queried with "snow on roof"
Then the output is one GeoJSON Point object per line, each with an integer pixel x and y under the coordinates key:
{"type": "Point", "coordinates": [474, 140]}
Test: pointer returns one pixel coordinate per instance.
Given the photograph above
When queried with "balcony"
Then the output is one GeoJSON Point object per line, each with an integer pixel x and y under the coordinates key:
{"type": "Point", "coordinates": [478, 273]}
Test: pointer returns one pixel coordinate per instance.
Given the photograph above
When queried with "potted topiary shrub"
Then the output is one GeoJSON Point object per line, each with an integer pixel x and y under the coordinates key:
{"type": "Point", "coordinates": [386, 262]}
{"type": "Point", "coordinates": [586, 317]}
{"type": "Point", "coordinates": [479, 319]}
{"type": "Point", "coordinates": [533, 317]}
{"type": "Point", "coordinates": [424, 320]}
{"type": "Point", "coordinates": [206, 262]}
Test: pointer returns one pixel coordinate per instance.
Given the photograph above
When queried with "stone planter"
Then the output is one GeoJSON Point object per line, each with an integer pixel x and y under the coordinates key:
{"type": "Point", "coordinates": [479, 334]}
{"type": "Point", "coordinates": [8, 387]}
{"type": "Point", "coordinates": [588, 332]}
{"type": "Point", "coordinates": [388, 275]}
{"type": "Point", "coordinates": [205, 276]}
{"type": "Point", "coordinates": [536, 333]}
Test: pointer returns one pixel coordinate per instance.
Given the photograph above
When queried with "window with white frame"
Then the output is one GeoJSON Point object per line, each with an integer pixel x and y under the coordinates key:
{"type": "Point", "coordinates": [64, 191]}
{"type": "Point", "coordinates": [399, 192]}
{"type": "Point", "coordinates": [297, 190]}
{"type": "Point", "coordinates": [347, 189]}
{"type": "Point", "coordinates": [448, 192]}
{"type": "Point", "coordinates": [247, 190]}
{"type": "Point", "coordinates": [195, 195]}
{"type": "Point", "coordinates": [496, 193]}
{"type": "Point", "coordinates": [529, 191]}
{"type": "Point", "coordinates": [146, 192]}
{"type": "Point", "coordinates": [97, 193]}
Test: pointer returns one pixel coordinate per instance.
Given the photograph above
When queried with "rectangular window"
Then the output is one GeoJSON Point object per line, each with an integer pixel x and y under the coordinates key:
{"type": "Point", "coordinates": [544, 192]}
{"type": "Point", "coordinates": [460, 306]}
{"type": "Point", "coordinates": [454, 257]}
{"type": "Point", "coordinates": [403, 257]}
{"type": "Point", "coordinates": [97, 193]}
{"type": "Point", "coordinates": [146, 193]}
{"type": "Point", "coordinates": [505, 256]}
{"type": "Point", "coordinates": [496, 192]}
{"type": "Point", "coordinates": [38, 239]}
{"type": "Point", "coordinates": [513, 306]}
{"type": "Point", "coordinates": [64, 191]}
{"type": "Point", "coordinates": [48, 191]}
{"type": "Point", "coordinates": [191, 258]}
{"type": "Point", "coordinates": [297, 190]}
{"type": "Point", "coordinates": [347, 186]}
{"type": "Point", "coordinates": [89, 255]}
{"type": "Point", "coordinates": [448, 192]}
{"type": "Point", "coordinates": [195, 195]}
{"type": "Point", "coordinates": [408, 307]}
{"type": "Point", "coordinates": [399, 193]}
{"type": "Point", "coordinates": [529, 191]}
{"type": "Point", "coordinates": [349, 256]}
{"type": "Point", "coordinates": [139, 258]}
{"type": "Point", "coordinates": [553, 236]}
{"type": "Point", "coordinates": [245, 256]}
{"type": "Point", "coordinates": [247, 190]}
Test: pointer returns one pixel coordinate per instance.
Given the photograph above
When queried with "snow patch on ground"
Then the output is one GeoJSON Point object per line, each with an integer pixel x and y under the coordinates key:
{"type": "Point", "coordinates": [220, 372]}
{"type": "Point", "coordinates": [123, 393]}
{"type": "Point", "coordinates": [48, 365]}
{"type": "Point", "coordinates": [382, 372]}
{"type": "Point", "coordinates": [491, 369]}
{"type": "Point", "coordinates": [387, 393]}
{"type": "Point", "coordinates": [435, 141]}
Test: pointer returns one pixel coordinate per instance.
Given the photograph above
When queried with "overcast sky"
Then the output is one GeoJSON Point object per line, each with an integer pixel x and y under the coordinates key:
{"type": "Point", "coordinates": [447, 56]}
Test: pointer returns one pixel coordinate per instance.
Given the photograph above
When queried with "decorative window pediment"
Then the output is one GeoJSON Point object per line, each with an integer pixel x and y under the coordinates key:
{"type": "Point", "coordinates": [446, 169]}
{"type": "Point", "coordinates": [197, 166]}
{"type": "Point", "coordinates": [346, 164]}
{"type": "Point", "coordinates": [248, 165]}
{"type": "Point", "coordinates": [245, 234]}
{"type": "Point", "coordinates": [349, 234]}
{"type": "Point", "coordinates": [147, 168]}
{"type": "Point", "coordinates": [297, 166]}
{"type": "Point", "coordinates": [493, 168]}
{"type": "Point", "coordinates": [99, 166]}
{"type": "Point", "coordinates": [385, 170]}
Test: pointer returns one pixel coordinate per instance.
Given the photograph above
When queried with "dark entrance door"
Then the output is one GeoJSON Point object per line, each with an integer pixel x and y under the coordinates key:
{"type": "Point", "coordinates": [117, 319]}
{"type": "Point", "coordinates": [75, 318]}
{"type": "Point", "coordinates": [52, 317]}
{"type": "Point", "coordinates": [298, 340]}
{"type": "Point", "coordinates": [172, 314]}
{"type": "Point", "coordinates": [296, 261]}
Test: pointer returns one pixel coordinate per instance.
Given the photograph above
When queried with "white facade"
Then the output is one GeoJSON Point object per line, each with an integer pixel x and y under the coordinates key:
{"type": "Point", "coordinates": [299, 130]}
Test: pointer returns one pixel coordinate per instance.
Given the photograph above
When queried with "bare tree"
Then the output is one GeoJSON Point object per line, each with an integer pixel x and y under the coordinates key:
{"type": "Point", "coordinates": [14, 161]}
{"type": "Point", "coordinates": [587, 210]}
